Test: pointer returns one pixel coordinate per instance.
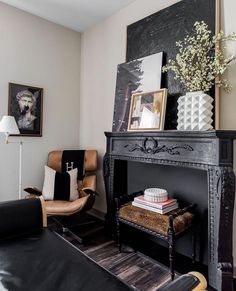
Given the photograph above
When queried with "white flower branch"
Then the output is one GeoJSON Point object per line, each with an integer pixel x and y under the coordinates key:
{"type": "Point", "coordinates": [200, 59]}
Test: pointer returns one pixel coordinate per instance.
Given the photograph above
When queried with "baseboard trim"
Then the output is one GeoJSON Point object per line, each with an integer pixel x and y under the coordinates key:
{"type": "Point", "coordinates": [97, 213]}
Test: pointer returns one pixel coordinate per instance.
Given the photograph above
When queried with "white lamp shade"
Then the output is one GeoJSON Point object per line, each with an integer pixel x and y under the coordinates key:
{"type": "Point", "coordinates": [8, 125]}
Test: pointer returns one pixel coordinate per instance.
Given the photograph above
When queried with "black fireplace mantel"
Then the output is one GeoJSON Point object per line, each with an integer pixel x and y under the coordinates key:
{"type": "Point", "coordinates": [211, 151]}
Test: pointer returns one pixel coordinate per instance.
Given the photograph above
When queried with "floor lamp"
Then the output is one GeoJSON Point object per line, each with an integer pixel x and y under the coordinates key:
{"type": "Point", "coordinates": [8, 126]}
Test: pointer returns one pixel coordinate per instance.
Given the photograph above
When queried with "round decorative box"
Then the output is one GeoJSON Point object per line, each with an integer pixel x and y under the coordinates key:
{"type": "Point", "coordinates": [155, 195]}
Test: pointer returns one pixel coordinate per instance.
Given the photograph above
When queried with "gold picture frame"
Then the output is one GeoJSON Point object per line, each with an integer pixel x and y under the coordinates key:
{"type": "Point", "coordinates": [147, 111]}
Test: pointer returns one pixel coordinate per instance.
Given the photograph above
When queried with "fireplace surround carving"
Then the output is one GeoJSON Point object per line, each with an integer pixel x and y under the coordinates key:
{"type": "Point", "coordinates": [210, 151]}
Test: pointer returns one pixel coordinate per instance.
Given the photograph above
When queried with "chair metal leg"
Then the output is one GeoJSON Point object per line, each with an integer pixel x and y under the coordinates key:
{"type": "Point", "coordinates": [66, 230]}
{"type": "Point", "coordinates": [62, 228]}
{"type": "Point", "coordinates": [78, 238]}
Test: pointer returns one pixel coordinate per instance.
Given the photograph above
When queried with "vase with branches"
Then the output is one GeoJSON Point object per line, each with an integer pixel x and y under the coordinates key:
{"type": "Point", "coordinates": [199, 65]}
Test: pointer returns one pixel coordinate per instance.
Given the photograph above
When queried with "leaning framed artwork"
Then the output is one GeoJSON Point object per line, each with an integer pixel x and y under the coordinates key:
{"type": "Point", "coordinates": [141, 75]}
{"type": "Point", "coordinates": [25, 103]}
{"type": "Point", "coordinates": [147, 111]}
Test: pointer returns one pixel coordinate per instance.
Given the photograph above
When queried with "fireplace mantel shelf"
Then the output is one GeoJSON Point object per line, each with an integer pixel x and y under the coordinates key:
{"type": "Point", "coordinates": [211, 151]}
{"type": "Point", "coordinates": [209, 148]}
{"type": "Point", "coordinates": [177, 133]}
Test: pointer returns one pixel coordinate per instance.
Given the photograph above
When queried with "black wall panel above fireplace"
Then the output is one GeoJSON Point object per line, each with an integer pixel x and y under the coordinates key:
{"type": "Point", "coordinates": [160, 31]}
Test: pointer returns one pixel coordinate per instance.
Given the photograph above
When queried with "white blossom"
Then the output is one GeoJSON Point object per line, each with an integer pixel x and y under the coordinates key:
{"type": "Point", "coordinates": [201, 59]}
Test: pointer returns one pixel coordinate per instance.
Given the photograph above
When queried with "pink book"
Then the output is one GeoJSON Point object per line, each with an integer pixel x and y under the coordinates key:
{"type": "Point", "coordinates": [160, 205]}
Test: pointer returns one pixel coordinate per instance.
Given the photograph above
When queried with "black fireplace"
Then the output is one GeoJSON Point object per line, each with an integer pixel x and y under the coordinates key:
{"type": "Point", "coordinates": [193, 166]}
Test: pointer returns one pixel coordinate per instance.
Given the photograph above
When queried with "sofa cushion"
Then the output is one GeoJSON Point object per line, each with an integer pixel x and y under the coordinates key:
{"type": "Point", "coordinates": [65, 207]}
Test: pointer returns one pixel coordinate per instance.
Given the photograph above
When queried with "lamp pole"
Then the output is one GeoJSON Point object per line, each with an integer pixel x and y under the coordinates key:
{"type": "Point", "coordinates": [20, 170]}
{"type": "Point", "coordinates": [20, 163]}
{"type": "Point", "coordinates": [9, 126]}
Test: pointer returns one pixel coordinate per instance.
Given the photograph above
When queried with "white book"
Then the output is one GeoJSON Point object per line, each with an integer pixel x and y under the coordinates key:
{"type": "Point", "coordinates": [160, 211]}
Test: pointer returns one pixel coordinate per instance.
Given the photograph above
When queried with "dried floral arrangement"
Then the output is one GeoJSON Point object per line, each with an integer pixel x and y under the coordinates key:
{"type": "Point", "coordinates": [201, 59]}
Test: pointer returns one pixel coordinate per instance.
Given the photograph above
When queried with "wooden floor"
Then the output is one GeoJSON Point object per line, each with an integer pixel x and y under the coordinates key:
{"type": "Point", "coordinates": [134, 268]}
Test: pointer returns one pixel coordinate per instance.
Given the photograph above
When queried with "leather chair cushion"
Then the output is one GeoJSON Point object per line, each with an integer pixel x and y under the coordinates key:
{"type": "Point", "coordinates": [155, 221]}
{"type": "Point", "coordinates": [59, 207]}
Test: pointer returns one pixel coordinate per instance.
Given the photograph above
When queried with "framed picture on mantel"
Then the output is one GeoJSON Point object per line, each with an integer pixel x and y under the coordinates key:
{"type": "Point", "coordinates": [147, 111]}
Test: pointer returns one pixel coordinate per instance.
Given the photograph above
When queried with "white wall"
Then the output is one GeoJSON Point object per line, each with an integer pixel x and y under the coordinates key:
{"type": "Point", "coordinates": [103, 47]}
{"type": "Point", "coordinates": [36, 52]}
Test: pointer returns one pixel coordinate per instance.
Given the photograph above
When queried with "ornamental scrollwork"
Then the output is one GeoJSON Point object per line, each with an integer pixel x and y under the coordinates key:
{"type": "Point", "coordinates": [227, 195]}
{"type": "Point", "coordinates": [106, 165]}
{"type": "Point", "coordinates": [151, 146]}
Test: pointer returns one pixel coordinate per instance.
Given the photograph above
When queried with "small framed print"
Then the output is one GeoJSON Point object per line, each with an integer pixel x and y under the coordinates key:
{"type": "Point", "coordinates": [25, 103]}
{"type": "Point", "coordinates": [147, 111]}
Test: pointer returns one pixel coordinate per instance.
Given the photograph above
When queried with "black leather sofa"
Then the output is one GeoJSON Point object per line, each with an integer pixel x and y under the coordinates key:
{"type": "Point", "coordinates": [33, 258]}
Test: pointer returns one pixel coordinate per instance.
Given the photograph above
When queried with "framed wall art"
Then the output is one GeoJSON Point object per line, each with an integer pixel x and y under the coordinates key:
{"type": "Point", "coordinates": [147, 111]}
{"type": "Point", "coordinates": [25, 103]}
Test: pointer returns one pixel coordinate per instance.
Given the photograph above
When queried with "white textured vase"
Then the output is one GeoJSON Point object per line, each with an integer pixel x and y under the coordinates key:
{"type": "Point", "coordinates": [195, 111]}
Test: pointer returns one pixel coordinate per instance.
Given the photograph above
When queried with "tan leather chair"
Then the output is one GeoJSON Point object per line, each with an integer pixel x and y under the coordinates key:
{"type": "Point", "coordinates": [87, 187]}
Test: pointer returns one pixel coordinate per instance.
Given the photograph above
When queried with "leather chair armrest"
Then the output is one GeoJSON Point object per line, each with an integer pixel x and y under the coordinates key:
{"type": "Point", "coordinates": [33, 190]}
{"type": "Point", "coordinates": [89, 191]}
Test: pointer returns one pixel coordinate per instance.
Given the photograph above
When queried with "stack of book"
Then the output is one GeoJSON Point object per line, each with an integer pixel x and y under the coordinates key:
{"type": "Point", "coordinates": [158, 207]}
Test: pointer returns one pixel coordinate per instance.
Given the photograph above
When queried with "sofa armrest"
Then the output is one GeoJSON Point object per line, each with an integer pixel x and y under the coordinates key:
{"type": "Point", "coordinates": [192, 281]}
{"type": "Point", "coordinates": [21, 217]}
